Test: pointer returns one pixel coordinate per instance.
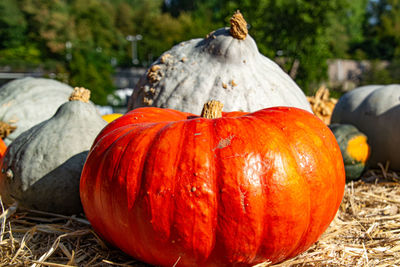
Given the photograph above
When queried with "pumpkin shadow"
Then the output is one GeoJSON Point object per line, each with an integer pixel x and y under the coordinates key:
{"type": "Point", "coordinates": [58, 190]}
{"type": "Point", "coordinates": [212, 36]}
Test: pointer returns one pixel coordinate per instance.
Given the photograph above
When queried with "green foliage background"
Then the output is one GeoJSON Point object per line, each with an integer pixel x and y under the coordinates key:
{"type": "Point", "coordinates": [303, 34]}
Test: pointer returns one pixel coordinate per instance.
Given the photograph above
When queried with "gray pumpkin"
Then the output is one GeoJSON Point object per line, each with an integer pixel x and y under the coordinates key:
{"type": "Point", "coordinates": [42, 166]}
{"type": "Point", "coordinates": [225, 66]}
{"type": "Point", "coordinates": [375, 111]}
{"type": "Point", "coordinates": [28, 101]}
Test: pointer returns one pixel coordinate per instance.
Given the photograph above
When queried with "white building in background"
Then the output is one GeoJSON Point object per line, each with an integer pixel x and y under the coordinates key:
{"type": "Point", "coordinates": [347, 73]}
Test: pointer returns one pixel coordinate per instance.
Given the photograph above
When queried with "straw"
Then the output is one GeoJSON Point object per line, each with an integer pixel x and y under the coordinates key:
{"type": "Point", "coordinates": [322, 105]}
{"type": "Point", "coordinates": [365, 232]}
{"type": "Point", "coordinates": [366, 229]}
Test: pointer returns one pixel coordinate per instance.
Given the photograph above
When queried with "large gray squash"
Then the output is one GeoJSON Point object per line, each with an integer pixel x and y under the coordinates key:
{"type": "Point", "coordinates": [28, 101]}
{"type": "Point", "coordinates": [42, 166]}
{"type": "Point", "coordinates": [226, 66]}
{"type": "Point", "coordinates": [375, 111]}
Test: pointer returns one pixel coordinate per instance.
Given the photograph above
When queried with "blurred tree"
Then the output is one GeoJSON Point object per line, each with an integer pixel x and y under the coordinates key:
{"type": "Point", "coordinates": [161, 31]}
{"type": "Point", "coordinates": [394, 70]}
{"type": "Point", "coordinates": [382, 40]}
{"type": "Point", "coordinates": [94, 25]}
{"type": "Point", "coordinates": [15, 48]}
{"type": "Point", "coordinates": [124, 20]}
{"type": "Point", "coordinates": [376, 74]}
{"type": "Point", "coordinates": [176, 7]}
{"type": "Point", "coordinates": [302, 33]}
{"type": "Point", "coordinates": [297, 31]}
{"type": "Point", "coordinates": [388, 26]}
{"type": "Point", "coordinates": [94, 42]}
{"type": "Point", "coordinates": [354, 19]}
{"type": "Point", "coordinates": [382, 30]}
{"type": "Point", "coordinates": [47, 25]}
{"type": "Point", "coordinates": [91, 69]}
{"type": "Point", "coordinates": [12, 25]}
{"type": "Point", "coordinates": [346, 28]}
{"type": "Point", "coordinates": [85, 40]}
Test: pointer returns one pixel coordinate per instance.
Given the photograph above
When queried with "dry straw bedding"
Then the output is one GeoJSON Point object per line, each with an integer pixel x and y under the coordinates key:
{"type": "Point", "coordinates": [365, 232]}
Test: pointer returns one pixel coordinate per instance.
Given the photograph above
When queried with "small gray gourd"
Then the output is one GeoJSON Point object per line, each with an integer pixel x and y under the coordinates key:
{"type": "Point", "coordinates": [225, 66]}
{"type": "Point", "coordinates": [374, 110]}
{"type": "Point", "coordinates": [41, 168]}
{"type": "Point", "coordinates": [28, 101]}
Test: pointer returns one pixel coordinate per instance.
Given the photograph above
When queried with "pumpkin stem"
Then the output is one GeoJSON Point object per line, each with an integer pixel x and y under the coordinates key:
{"type": "Point", "coordinates": [6, 129]}
{"type": "Point", "coordinates": [80, 94]}
{"type": "Point", "coordinates": [212, 110]}
{"type": "Point", "coordinates": [238, 26]}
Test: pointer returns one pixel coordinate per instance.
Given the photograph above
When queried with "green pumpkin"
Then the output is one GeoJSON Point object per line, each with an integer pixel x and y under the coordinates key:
{"type": "Point", "coordinates": [374, 110]}
{"type": "Point", "coordinates": [41, 168]}
{"type": "Point", "coordinates": [354, 147]}
{"type": "Point", "coordinates": [29, 101]}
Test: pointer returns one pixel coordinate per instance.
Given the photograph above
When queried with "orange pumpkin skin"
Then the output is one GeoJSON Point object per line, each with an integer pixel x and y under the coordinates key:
{"type": "Point", "coordinates": [3, 148]}
{"type": "Point", "coordinates": [169, 187]}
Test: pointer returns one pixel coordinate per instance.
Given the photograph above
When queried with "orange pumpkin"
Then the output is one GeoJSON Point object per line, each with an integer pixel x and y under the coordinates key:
{"type": "Point", "coordinates": [169, 187]}
{"type": "Point", "coordinates": [3, 148]}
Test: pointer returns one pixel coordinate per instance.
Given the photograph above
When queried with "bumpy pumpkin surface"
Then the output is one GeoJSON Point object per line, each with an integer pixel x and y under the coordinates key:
{"type": "Point", "coordinates": [221, 67]}
{"type": "Point", "coordinates": [354, 147]}
{"type": "Point", "coordinates": [42, 166]}
{"type": "Point", "coordinates": [375, 111]}
{"type": "Point", "coordinates": [29, 101]}
{"type": "Point", "coordinates": [169, 187]}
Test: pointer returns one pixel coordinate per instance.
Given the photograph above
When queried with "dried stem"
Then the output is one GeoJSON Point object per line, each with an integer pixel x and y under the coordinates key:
{"type": "Point", "coordinates": [212, 109]}
{"type": "Point", "coordinates": [238, 26]}
{"type": "Point", "coordinates": [80, 94]}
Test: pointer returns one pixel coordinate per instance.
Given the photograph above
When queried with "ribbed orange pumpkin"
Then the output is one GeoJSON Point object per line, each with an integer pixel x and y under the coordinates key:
{"type": "Point", "coordinates": [169, 187]}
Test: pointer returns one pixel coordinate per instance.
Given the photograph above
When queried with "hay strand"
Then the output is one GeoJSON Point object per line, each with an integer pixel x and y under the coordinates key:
{"type": "Point", "coordinates": [322, 105]}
